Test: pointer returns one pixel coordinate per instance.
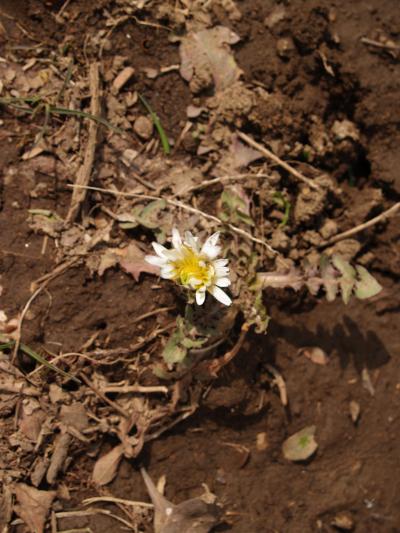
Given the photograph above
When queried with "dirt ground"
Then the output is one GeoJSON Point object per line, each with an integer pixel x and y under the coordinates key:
{"type": "Point", "coordinates": [319, 86]}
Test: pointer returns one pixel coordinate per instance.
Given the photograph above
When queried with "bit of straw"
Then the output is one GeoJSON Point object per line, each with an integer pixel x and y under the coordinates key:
{"type": "Point", "coordinates": [270, 155]}
{"type": "Point", "coordinates": [189, 208]}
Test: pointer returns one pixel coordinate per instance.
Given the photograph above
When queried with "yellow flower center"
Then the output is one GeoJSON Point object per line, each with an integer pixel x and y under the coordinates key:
{"type": "Point", "coordinates": [193, 266]}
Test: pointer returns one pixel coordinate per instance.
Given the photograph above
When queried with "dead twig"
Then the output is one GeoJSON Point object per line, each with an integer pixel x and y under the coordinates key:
{"type": "Point", "coordinates": [152, 313]}
{"type": "Point", "coordinates": [215, 366]}
{"type": "Point", "coordinates": [84, 172]}
{"type": "Point", "coordinates": [270, 155]}
{"type": "Point", "coordinates": [111, 499]}
{"type": "Point", "coordinates": [186, 207]}
{"type": "Point", "coordinates": [103, 397]}
{"type": "Point", "coordinates": [126, 389]}
{"type": "Point", "coordinates": [377, 44]}
{"type": "Point", "coordinates": [357, 229]}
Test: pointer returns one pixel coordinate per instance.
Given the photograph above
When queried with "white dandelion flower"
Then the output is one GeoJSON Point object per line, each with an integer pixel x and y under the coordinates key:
{"type": "Point", "coordinates": [194, 266]}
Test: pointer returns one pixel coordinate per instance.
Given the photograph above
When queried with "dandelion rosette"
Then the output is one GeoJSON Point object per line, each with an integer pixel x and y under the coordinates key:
{"type": "Point", "coordinates": [193, 266]}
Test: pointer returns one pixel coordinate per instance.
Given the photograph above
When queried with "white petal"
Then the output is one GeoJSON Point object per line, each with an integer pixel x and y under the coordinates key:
{"type": "Point", "coordinates": [194, 282]}
{"type": "Point", "coordinates": [155, 260]}
{"type": "Point", "coordinates": [221, 262]}
{"type": "Point", "coordinates": [221, 271]}
{"type": "Point", "coordinates": [159, 249]}
{"type": "Point", "coordinates": [191, 241]}
{"type": "Point", "coordinates": [176, 239]}
{"type": "Point", "coordinates": [167, 272]}
{"type": "Point", "coordinates": [222, 282]}
{"type": "Point", "coordinates": [200, 297]}
{"type": "Point", "coordinates": [210, 248]}
{"type": "Point", "coordinates": [220, 295]}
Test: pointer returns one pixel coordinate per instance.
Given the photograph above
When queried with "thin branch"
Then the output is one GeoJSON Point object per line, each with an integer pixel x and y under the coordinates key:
{"type": "Point", "coordinates": [270, 155]}
{"type": "Point", "coordinates": [353, 231]}
{"type": "Point", "coordinates": [85, 171]}
{"type": "Point", "coordinates": [186, 207]}
{"type": "Point", "coordinates": [111, 499]}
{"type": "Point", "coordinates": [103, 397]}
{"type": "Point", "coordinates": [152, 313]}
{"type": "Point", "coordinates": [387, 46]}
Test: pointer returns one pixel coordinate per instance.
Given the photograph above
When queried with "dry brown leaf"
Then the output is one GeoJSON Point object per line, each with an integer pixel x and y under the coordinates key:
{"type": "Point", "coordinates": [5, 508]}
{"type": "Point", "coordinates": [206, 59]}
{"type": "Point", "coordinates": [197, 515]}
{"type": "Point", "coordinates": [106, 466]}
{"type": "Point", "coordinates": [242, 154]}
{"type": "Point", "coordinates": [132, 261]}
{"type": "Point", "coordinates": [34, 506]}
{"type": "Point", "coordinates": [31, 419]}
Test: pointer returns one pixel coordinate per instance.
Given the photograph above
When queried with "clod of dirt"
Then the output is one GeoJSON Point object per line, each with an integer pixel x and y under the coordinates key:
{"type": "Point", "coordinates": [233, 104]}
{"type": "Point", "coordinates": [311, 202]}
{"type": "Point", "coordinates": [143, 126]}
{"type": "Point", "coordinates": [197, 515]}
{"type": "Point", "coordinates": [285, 47]}
{"type": "Point", "coordinates": [301, 445]}
{"type": "Point", "coordinates": [277, 14]}
{"type": "Point", "coordinates": [280, 240]}
{"type": "Point", "coordinates": [262, 443]}
{"type": "Point", "coordinates": [343, 129]}
{"type": "Point", "coordinates": [206, 59]}
{"type": "Point", "coordinates": [329, 228]}
{"type": "Point", "coordinates": [348, 249]}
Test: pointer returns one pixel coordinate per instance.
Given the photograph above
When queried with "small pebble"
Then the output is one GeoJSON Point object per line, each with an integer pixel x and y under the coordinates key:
{"type": "Point", "coordinates": [343, 522]}
{"type": "Point", "coordinates": [143, 126]}
{"type": "Point", "coordinates": [262, 441]}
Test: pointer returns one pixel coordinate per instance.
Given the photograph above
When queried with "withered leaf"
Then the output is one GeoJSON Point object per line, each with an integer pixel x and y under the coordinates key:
{"type": "Point", "coordinates": [206, 59]}
{"type": "Point", "coordinates": [106, 466]}
{"type": "Point", "coordinates": [34, 506]}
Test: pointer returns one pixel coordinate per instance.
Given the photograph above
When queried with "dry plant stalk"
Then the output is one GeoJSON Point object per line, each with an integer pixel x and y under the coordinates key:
{"type": "Point", "coordinates": [84, 172]}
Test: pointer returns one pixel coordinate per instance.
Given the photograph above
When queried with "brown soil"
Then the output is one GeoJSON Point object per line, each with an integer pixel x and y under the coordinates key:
{"type": "Point", "coordinates": [356, 470]}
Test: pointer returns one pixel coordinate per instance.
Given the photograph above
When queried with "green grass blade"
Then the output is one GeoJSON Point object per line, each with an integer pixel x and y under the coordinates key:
{"type": "Point", "coordinates": [83, 114]}
{"type": "Point", "coordinates": [28, 351]}
{"type": "Point", "coordinates": [157, 124]}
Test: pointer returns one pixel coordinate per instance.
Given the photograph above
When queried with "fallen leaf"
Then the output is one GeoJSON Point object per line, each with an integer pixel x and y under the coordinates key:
{"type": "Point", "coordinates": [59, 456]}
{"type": "Point", "coordinates": [31, 418]}
{"type": "Point", "coordinates": [106, 466]}
{"type": "Point", "coordinates": [242, 154]}
{"type": "Point", "coordinates": [5, 508]}
{"type": "Point", "coordinates": [197, 515]}
{"type": "Point", "coordinates": [130, 258]}
{"type": "Point", "coordinates": [74, 415]}
{"type": "Point", "coordinates": [315, 354]}
{"type": "Point", "coordinates": [34, 506]}
{"type": "Point", "coordinates": [206, 59]}
{"type": "Point", "coordinates": [132, 261]}
{"type": "Point", "coordinates": [301, 445]}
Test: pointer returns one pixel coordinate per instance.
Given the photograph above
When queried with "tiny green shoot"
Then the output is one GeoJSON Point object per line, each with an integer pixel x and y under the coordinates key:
{"type": "Point", "coordinates": [157, 124]}
{"type": "Point", "coordinates": [36, 357]}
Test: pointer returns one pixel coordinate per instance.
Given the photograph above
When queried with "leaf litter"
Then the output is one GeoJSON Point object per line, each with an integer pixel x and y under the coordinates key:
{"type": "Point", "coordinates": [101, 239]}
